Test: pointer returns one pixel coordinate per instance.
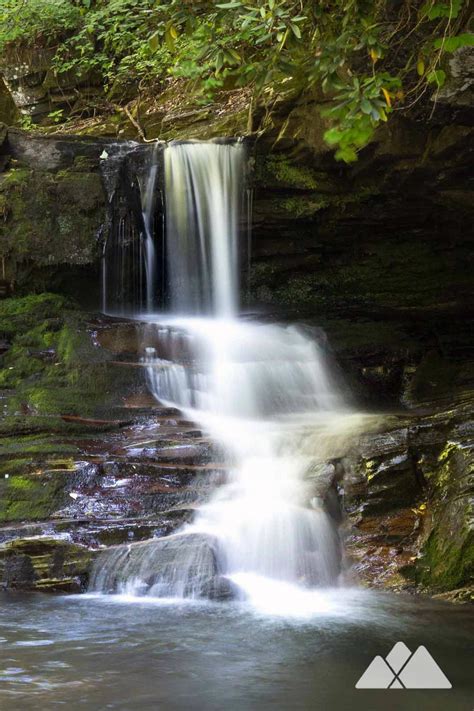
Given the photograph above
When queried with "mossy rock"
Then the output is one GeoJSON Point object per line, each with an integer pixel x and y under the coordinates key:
{"type": "Point", "coordinates": [31, 497]}
{"type": "Point", "coordinates": [51, 218]}
{"type": "Point", "coordinates": [447, 557]}
{"type": "Point", "coordinates": [46, 565]}
{"type": "Point", "coordinates": [52, 366]}
{"type": "Point", "coordinates": [18, 315]}
{"type": "Point", "coordinates": [278, 171]}
{"type": "Point", "coordinates": [8, 112]}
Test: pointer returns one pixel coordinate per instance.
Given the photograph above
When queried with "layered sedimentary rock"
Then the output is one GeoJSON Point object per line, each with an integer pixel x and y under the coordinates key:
{"type": "Point", "coordinates": [377, 254]}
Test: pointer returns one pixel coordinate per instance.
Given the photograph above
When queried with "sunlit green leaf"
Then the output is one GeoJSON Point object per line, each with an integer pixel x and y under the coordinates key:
{"type": "Point", "coordinates": [451, 44]}
{"type": "Point", "coordinates": [346, 154]}
{"type": "Point", "coordinates": [296, 30]}
{"type": "Point", "coordinates": [333, 136]}
{"type": "Point", "coordinates": [437, 77]}
{"type": "Point", "coordinates": [229, 5]}
{"type": "Point", "coordinates": [154, 42]}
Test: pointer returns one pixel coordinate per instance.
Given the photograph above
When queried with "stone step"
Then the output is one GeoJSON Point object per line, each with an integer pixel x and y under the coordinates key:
{"type": "Point", "coordinates": [94, 532]}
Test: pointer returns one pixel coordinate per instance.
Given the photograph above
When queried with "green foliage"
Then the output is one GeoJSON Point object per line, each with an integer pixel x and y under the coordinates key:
{"type": "Point", "coordinates": [36, 21]}
{"type": "Point", "coordinates": [56, 116]}
{"type": "Point", "coordinates": [451, 44]}
{"type": "Point", "coordinates": [361, 106]}
{"type": "Point", "coordinates": [362, 56]}
{"type": "Point", "coordinates": [437, 76]}
{"type": "Point", "coordinates": [433, 10]}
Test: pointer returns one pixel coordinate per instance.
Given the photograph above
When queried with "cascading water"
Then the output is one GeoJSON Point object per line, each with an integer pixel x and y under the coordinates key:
{"type": "Point", "coordinates": [262, 391]}
{"type": "Point", "coordinates": [203, 183]}
{"type": "Point", "coordinates": [148, 210]}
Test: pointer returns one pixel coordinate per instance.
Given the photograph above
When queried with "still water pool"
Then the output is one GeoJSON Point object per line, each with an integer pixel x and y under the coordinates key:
{"type": "Point", "coordinates": [87, 652]}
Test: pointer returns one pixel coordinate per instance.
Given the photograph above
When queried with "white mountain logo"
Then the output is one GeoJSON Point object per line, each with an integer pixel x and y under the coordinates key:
{"type": "Point", "coordinates": [402, 669]}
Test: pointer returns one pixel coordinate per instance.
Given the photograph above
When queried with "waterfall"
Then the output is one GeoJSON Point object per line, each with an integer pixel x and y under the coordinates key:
{"type": "Point", "coordinates": [203, 183]}
{"type": "Point", "coordinates": [148, 203]}
{"type": "Point", "coordinates": [264, 392]}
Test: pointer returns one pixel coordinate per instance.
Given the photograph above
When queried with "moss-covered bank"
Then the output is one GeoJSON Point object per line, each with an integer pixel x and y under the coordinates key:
{"type": "Point", "coordinates": [50, 366]}
{"type": "Point", "coordinates": [52, 205]}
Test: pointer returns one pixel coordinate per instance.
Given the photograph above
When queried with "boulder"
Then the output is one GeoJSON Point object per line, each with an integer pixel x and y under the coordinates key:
{"type": "Point", "coordinates": [44, 564]}
{"type": "Point", "coordinates": [181, 565]}
{"type": "Point", "coordinates": [446, 559]}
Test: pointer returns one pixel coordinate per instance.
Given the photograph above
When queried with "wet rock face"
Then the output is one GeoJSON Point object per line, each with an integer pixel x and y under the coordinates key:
{"type": "Point", "coordinates": [185, 565]}
{"type": "Point", "coordinates": [408, 496]}
{"type": "Point", "coordinates": [447, 555]}
{"type": "Point", "coordinates": [87, 457]}
{"type": "Point", "coordinates": [390, 478]}
{"type": "Point", "coordinates": [219, 589]}
{"type": "Point", "coordinates": [129, 482]}
{"type": "Point", "coordinates": [45, 565]}
{"type": "Point", "coordinates": [381, 494]}
{"type": "Point", "coordinates": [458, 92]}
{"type": "Point", "coordinates": [53, 206]}
{"type": "Point", "coordinates": [373, 253]}
{"type": "Point", "coordinates": [8, 109]}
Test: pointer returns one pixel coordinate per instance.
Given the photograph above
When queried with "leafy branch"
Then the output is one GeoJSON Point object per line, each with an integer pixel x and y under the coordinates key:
{"type": "Point", "coordinates": [363, 58]}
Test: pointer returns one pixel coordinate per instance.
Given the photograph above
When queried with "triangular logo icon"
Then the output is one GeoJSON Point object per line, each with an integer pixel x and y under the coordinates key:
{"type": "Point", "coordinates": [403, 670]}
{"type": "Point", "coordinates": [422, 672]}
{"type": "Point", "coordinates": [378, 675]}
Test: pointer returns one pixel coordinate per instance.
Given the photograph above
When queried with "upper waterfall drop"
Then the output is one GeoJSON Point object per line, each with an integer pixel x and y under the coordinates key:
{"type": "Point", "coordinates": [203, 188]}
{"type": "Point", "coordinates": [172, 235]}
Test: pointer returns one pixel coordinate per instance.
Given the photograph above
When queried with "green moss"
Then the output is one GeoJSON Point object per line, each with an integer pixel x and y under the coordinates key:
{"type": "Point", "coordinates": [15, 466]}
{"type": "Point", "coordinates": [308, 205]}
{"type": "Point", "coordinates": [69, 345]}
{"type": "Point", "coordinates": [30, 497]}
{"type": "Point", "coordinates": [21, 314]}
{"type": "Point", "coordinates": [278, 169]}
{"type": "Point", "coordinates": [82, 189]}
{"type": "Point", "coordinates": [50, 219]}
{"type": "Point", "coordinates": [297, 290]}
{"type": "Point", "coordinates": [11, 376]}
{"type": "Point", "coordinates": [21, 484]}
{"type": "Point", "coordinates": [51, 448]}
{"type": "Point", "coordinates": [401, 274]}
{"type": "Point", "coordinates": [445, 565]}
{"type": "Point", "coordinates": [448, 450]}
{"type": "Point", "coordinates": [15, 178]}
{"type": "Point", "coordinates": [52, 365]}
{"type": "Point", "coordinates": [84, 164]}
{"type": "Point", "coordinates": [300, 207]}
{"type": "Point", "coordinates": [32, 324]}
{"type": "Point", "coordinates": [42, 336]}
{"type": "Point", "coordinates": [447, 560]}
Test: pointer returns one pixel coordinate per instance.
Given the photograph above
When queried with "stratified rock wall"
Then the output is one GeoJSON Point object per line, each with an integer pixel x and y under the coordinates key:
{"type": "Point", "coordinates": [377, 254]}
